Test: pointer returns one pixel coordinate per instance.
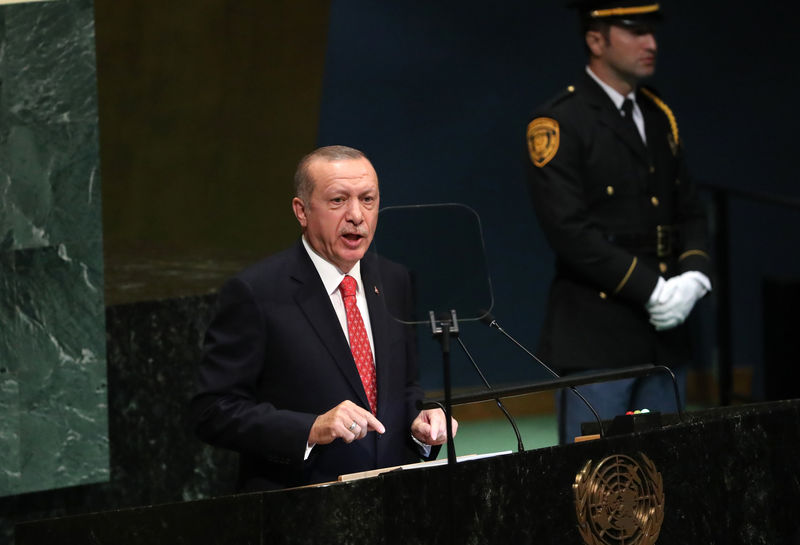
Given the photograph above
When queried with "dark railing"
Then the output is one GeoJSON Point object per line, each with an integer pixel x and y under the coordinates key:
{"type": "Point", "coordinates": [720, 201]}
{"type": "Point", "coordinates": [558, 383]}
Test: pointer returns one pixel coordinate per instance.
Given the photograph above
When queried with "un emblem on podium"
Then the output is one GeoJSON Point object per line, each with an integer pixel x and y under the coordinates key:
{"type": "Point", "coordinates": [619, 501]}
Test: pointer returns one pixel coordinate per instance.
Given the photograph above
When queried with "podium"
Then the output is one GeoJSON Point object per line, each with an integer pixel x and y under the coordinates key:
{"type": "Point", "coordinates": [727, 476]}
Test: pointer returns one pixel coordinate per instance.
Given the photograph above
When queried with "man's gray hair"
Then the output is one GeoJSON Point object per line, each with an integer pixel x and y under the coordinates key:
{"type": "Point", "coordinates": [303, 184]}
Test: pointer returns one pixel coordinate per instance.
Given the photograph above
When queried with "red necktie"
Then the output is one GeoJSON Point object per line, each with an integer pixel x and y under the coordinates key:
{"type": "Point", "coordinates": [359, 342]}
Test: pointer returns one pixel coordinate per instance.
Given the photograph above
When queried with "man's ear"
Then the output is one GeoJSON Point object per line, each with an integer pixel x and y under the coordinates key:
{"type": "Point", "coordinates": [595, 41]}
{"type": "Point", "coordinates": [299, 208]}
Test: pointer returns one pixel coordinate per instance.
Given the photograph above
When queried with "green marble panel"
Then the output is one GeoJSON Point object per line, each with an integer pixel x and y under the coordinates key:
{"type": "Point", "coordinates": [10, 465]}
{"type": "Point", "coordinates": [48, 104]}
{"type": "Point", "coordinates": [62, 392]}
{"type": "Point", "coordinates": [54, 197]}
{"type": "Point", "coordinates": [53, 398]}
{"type": "Point", "coordinates": [10, 474]}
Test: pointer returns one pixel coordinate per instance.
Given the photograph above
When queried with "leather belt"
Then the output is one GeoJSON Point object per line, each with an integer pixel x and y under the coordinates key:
{"type": "Point", "coordinates": [660, 241]}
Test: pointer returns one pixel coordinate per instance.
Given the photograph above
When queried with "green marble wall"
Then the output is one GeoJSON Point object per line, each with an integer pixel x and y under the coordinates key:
{"type": "Point", "coordinates": [53, 411]}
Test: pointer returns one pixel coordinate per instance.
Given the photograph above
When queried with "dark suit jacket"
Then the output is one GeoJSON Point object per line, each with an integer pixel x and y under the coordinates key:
{"type": "Point", "coordinates": [276, 357]}
{"type": "Point", "coordinates": [599, 201]}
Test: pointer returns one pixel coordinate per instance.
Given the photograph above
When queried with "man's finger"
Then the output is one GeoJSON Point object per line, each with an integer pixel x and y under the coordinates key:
{"type": "Point", "coordinates": [372, 423]}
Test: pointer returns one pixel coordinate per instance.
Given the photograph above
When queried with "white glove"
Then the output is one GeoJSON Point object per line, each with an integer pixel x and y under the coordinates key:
{"type": "Point", "coordinates": [672, 300]}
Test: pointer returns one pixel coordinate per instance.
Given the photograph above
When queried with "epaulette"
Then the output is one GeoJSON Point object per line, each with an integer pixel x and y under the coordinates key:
{"type": "Point", "coordinates": [651, 94]}
{"type": "Point", "coordinates": [568, 92]}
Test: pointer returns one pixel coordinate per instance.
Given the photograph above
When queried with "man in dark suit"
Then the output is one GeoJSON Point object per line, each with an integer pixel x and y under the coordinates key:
{"type": "Point", "coordinates": [305, 372]}
{"type": "Point", "coordinates": [612, 194]}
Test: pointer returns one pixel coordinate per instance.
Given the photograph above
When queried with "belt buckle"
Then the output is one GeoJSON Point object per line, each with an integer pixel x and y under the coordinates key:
{"type": "Point", "coordinates": [663, 240]}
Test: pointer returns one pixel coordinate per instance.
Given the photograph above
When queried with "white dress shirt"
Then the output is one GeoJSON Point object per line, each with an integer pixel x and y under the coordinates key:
{"type": "Point", "coordinates": [618, 99]}
{"type": "Point", "coordinates": [331, 278]}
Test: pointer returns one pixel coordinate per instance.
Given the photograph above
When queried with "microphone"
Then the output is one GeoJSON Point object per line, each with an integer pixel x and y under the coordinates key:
{"type": "Point", "coordinates": [490, 320]}
{"type": "Point", "coordinates": [520, 446]}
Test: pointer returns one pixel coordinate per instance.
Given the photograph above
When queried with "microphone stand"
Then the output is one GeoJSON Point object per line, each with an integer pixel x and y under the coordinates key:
{"type": "Point", "coordinates": [444, 329]}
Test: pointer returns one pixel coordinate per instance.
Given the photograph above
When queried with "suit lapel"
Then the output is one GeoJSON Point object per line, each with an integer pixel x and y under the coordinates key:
{"type": "Point", "coordinates": [654, 125]}
{"type": "Point", "coordinates": [318, 310]}
{"type": "Point", "coordinates": [379, 319]}
{"type": "Point", "coordinates": [610, 116]}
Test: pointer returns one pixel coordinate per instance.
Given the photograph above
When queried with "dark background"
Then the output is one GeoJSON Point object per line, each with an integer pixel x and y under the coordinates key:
{"type": "Point", "coordinates": [439, 96]}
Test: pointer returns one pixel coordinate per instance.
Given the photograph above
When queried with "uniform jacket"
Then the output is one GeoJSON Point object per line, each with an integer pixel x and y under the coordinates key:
{"type": "Point", "coordinates": [602, 197]}
{"type": "Point", "coordinates": [275, 357]}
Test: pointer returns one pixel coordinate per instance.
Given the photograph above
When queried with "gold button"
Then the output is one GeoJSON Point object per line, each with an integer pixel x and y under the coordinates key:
{"type": "Point", "coordinates": [610, 190]}
{"type": "Point", "coordinates": [654, 200]}
{"type": "Point", "coordinates": [603, 295]}
{"type": "Point", "coordinates": [662, 267]}
{"type": "Point", "coordinates": [571, 88]}
{"type": "Point", "coordinates": [652, 169]}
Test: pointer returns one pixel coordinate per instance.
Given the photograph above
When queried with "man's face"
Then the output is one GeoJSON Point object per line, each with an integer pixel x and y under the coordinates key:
{"type": "Point", "coordinates": [630, 53]}
{"type": "Point", "coordinates": [340, 218]}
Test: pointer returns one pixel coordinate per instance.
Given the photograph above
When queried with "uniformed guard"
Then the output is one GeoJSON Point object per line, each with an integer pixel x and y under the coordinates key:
{"type": "Point", "coordinates": [612, 194]}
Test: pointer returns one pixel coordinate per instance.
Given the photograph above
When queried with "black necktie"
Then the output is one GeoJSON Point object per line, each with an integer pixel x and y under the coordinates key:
{"type": "Point", "coordinates": [627, 113]}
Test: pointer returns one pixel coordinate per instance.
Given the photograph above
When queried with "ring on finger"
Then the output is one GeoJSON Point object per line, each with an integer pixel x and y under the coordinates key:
{"type": "Point", "coordinates": [353, 426]}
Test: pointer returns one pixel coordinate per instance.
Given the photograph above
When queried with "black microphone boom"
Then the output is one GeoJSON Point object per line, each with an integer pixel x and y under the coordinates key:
{"type": "Point", "coordinates": [490, 320]}
{"type": "Point", "coordinates": [520, 446]}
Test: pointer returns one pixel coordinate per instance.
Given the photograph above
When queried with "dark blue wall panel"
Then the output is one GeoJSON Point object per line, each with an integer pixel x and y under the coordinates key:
{"type": "Point", "coordinates": [439, 93]}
